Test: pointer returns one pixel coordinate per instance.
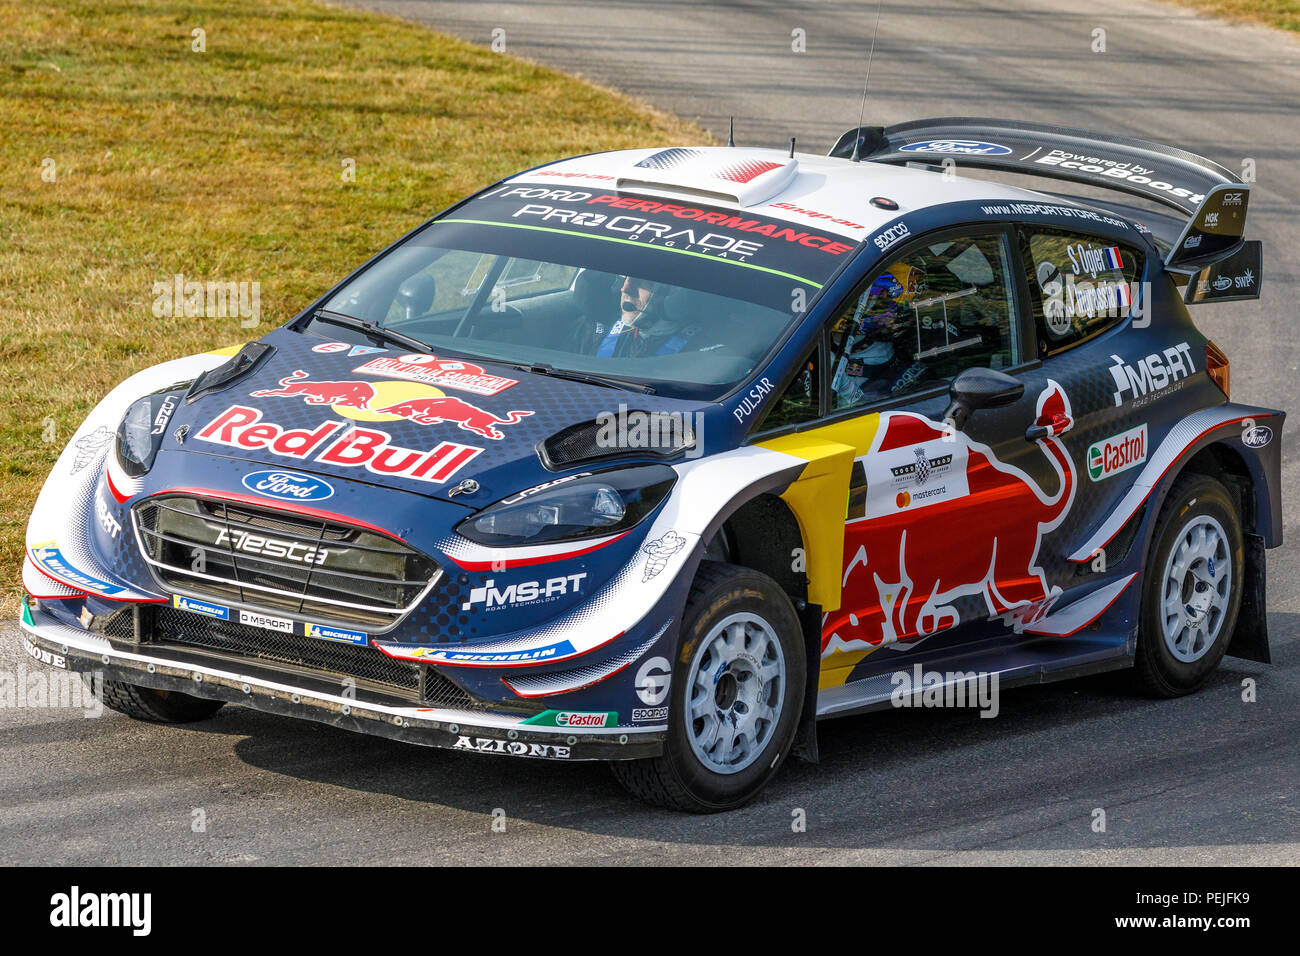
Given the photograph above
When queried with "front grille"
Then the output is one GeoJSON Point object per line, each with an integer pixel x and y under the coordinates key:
{"type": "Point", "coordinates": [439, 691]}
{"type": "Point", "coordinates": [330, 659]}
{"type": "Point", "coordinates": [278, 560]}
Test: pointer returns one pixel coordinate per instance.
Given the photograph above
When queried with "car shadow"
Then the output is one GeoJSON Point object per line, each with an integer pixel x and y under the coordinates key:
{"type": "Point", "coordinates": [911, 778]}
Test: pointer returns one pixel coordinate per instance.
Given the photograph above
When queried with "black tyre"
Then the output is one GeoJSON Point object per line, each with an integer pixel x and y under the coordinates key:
{"type": "Point", "coordinates": [157, 706]}
{"type": "Point", "coordinates": [736, 694]}
{"type": "Point", "coordinates": [1192, 588]}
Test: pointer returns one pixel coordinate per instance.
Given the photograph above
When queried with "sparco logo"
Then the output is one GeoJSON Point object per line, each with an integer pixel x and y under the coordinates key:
{"type": "Point", "coordinates": [1152, 373]}
{"type": "Point", "coordinates": [891, 236]}
{"type": "Point", "coordinates": [523, 592]}
{"type": "Point", "coordinates": [272, 547]}
{"type": "Point", "coordinates": [516, 747]}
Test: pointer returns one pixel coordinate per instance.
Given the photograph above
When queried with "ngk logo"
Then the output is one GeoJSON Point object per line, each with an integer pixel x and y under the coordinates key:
{"type": "Point", "coordinates": [1152, 373]}
{"type": "Point", "coordinates": [272, 547]}
{"type": "Point", "coordinates": [335, 444]}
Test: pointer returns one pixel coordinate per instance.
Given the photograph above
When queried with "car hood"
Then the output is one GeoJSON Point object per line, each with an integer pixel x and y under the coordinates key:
{"type": "Point", "coordinates": [421, 423]}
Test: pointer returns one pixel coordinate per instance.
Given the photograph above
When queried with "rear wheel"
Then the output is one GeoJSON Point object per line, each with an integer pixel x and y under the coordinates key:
{"type": "Point", "coordinates": [737, 692]}
{"type": "Point", "coordinates": [1192, 591]}
{"type": "Point", "coordinates": [156, 706]}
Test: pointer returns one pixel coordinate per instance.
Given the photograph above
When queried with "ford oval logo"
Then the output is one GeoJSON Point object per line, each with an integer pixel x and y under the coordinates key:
{"type": "Point", "coordinates": [1257, 436]}
{"type": "Point", "coordinates": [967, 147]}
{"type": "Point", "coordinates": [288, 485]}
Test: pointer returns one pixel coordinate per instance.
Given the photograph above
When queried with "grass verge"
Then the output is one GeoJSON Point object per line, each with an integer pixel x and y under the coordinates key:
{"type": "Point", "coordinates": [130, 156]}
{"type": "Point", "coordinates": [1283, 14]}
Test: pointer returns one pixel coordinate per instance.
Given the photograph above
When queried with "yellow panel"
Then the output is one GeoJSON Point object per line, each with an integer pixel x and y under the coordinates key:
{"type": "Point", "coordinates": [227, 350]}
{"type": "Point", "coordinates": [836, 669]}
{"type": "Point", "coordinates": [820, 497]}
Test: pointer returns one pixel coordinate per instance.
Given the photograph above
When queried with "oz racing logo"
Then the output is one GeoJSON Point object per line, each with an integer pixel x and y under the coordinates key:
{"type": "Point", "coordinates": [652, 681]}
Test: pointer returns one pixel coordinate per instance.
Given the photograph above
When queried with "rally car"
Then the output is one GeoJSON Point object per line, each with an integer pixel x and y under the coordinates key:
{"type": "Point", "coordinates": [660, 456]}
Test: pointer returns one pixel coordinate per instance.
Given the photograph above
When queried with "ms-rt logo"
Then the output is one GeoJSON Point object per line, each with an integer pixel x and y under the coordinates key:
{"type": "Point", "coordinates": [75, 909]}
{"type": "Point", "coordinates": [523, 592]}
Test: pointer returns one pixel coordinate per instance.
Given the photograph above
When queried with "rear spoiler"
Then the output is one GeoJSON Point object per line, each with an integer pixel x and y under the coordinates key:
{"type": "Point", "coordinates": [1213, 197]}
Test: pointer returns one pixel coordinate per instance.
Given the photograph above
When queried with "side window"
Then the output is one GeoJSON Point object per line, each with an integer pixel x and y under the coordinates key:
{"type": "Point", "coordinates": [940, 308]}
{"type": "Point", "coordinates": [799, 403]}
{"type": "Point", "coordinates": [1079, 285]}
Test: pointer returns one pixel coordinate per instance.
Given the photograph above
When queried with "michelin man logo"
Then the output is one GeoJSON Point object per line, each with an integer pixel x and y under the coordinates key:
{"type": "Point", "coordinates": [88, 447]}
{"type": "Point", "coordinates": [658, 552]}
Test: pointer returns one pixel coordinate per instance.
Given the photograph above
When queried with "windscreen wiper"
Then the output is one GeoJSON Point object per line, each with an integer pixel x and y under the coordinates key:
{"type": "Point", "coordinates": [608, 381]}
{"type": "Point", "coordinates": [371, 329]}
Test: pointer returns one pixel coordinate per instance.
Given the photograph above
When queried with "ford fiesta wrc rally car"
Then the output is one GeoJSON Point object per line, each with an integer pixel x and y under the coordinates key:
{"type": "Point", "coordinates": [661, 456]}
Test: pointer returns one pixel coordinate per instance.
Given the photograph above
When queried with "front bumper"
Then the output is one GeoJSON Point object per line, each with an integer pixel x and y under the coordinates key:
{"type": "Point", "coordinates": [51, 642]}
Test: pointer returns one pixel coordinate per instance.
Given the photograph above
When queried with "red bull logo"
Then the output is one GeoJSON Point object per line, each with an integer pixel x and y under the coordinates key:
{"type": "Point", "coordinates": [348, 394]}
{"type": "Point", "coordinates": [391, 401]}
{"type": "Point", "coordinates": [336, 444]}
{"type": "Point", "coordinates": [945, 519]}
{"type": "Point", "coordinates": [436, 409]}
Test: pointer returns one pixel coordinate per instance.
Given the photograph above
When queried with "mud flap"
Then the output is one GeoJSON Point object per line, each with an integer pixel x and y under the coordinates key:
{"type": "Point", "coordinates": [805, 736]}
{"type": "Point", "coordinates": [1250, 639]}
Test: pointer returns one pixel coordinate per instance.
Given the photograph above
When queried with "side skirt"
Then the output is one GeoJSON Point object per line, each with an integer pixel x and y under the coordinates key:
{"type": "Point", "coordinates": [1036, 662]}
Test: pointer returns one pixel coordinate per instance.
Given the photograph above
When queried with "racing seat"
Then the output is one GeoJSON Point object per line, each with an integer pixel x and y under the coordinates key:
{"type": "Point", "coordinates": [416, 295]}
{"type": "Point", "coordinates": [596, 297]}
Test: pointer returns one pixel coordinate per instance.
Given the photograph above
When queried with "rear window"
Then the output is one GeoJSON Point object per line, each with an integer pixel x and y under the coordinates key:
{"type": "Point", "coordinates": [1080, 285]}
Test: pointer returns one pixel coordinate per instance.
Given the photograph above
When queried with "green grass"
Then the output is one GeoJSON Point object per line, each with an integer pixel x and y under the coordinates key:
{"type": "Point", "coordinates": [227, 165]}
{"type": "Point", "coordinates": [1284, 14]}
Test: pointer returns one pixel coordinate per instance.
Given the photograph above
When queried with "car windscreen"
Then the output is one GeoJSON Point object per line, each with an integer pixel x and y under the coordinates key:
{"type": "Point", "coordinates": [686, 298]}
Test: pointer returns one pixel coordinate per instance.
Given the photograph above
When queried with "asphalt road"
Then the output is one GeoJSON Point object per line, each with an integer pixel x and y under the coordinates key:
{"type": "Point", "coordinates": [1205, 779]}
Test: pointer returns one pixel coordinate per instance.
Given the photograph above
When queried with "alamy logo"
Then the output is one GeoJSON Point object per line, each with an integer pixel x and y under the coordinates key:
{"type": "Point", "coordinates": [130, 910]}
{"type": "Point", "coordinates": [177, 297]}
{"type": "Point", "coordinates": [922, 688]}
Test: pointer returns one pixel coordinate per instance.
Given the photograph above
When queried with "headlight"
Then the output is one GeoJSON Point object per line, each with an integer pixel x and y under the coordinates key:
{"type": "Point", "coordinates": [141, 433]}
{"type": "Point", "coordinates": [584, 506]}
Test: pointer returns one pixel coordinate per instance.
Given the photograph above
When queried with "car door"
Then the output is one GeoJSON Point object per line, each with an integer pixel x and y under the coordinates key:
{"type": "Point", "coordinates": [1081, 289]}
{"type": "Point", "coordinates": [942, 525]}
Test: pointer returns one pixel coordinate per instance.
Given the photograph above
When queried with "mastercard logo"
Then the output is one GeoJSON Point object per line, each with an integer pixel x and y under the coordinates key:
{"type": "Point", "coordinates": [904, 499]}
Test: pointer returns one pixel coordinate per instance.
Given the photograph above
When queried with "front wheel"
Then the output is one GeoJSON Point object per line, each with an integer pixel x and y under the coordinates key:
{"type": "Point", "coordinates": [1192, 590]}
{"type": "Point", "coordinates": [156, 706]}
{"type": "Point", "coordinates": [737, 692]}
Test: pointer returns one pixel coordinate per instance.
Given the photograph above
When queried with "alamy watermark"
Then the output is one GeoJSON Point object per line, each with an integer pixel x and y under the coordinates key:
{"type": "Point", "coordinates": [190, 298]}
{"type": "Point", "coordinates": [43, 688]}
{"type": "Point", "coordinates": [632, 429]}
{"type": "Point", "coordinates": [921, 688]}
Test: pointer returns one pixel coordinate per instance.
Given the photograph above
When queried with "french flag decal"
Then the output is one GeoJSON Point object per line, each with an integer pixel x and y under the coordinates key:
{"type": "Point", "coordinates": [1112, 257]}
{"type": "Point", "coordinates": [1123, 295]}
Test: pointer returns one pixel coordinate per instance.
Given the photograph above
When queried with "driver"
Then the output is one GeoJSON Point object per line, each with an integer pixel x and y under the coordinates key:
{"type": "Point", "coordinates": [644, 326]}
{"type": "Point", "coordinates": [877, 359]}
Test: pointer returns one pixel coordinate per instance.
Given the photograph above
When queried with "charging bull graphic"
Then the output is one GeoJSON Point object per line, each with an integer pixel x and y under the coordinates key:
{"type": "Point", "coordinates": [429, 407]}
{"type": "Point", "coordinates": [431, 411]}
{"type": "Point", "coordinates": [347, 394]}
{"type": "Point", "coordinates": [945, 519]}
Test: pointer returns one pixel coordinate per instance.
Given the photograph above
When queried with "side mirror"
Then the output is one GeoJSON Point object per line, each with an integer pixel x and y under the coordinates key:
{"type": "Point", "coordinates": [978, 388]}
